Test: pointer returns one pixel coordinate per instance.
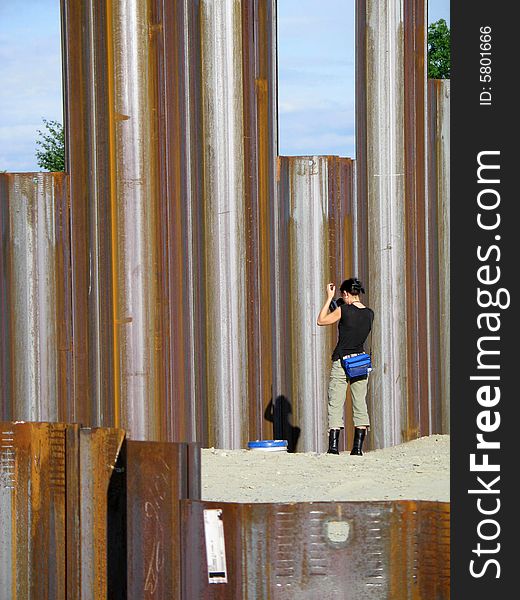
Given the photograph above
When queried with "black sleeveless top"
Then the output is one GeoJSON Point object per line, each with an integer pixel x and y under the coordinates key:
{"type": "Point", "coordinates": [353, 327]}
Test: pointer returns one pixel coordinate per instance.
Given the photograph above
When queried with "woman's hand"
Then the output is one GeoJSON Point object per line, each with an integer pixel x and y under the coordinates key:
{"type": "Point", "coordinates": [326, 318]}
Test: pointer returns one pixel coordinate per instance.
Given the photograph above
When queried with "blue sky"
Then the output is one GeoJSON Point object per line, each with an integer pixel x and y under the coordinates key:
{"type": "Point", "coordinates": [315, 64]}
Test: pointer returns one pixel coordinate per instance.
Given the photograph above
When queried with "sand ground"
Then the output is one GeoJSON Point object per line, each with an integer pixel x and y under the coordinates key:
{"type": "Point", "coordinates": [416, 470]}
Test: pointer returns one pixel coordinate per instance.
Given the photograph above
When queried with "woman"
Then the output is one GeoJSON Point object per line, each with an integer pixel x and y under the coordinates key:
{"type": "Point", "coordinates": [355, 322]}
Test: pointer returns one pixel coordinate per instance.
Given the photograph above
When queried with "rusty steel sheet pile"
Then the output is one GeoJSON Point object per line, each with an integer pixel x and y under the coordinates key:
{"type": "Point", "coordinates": [35, 297]}
{"type": "Point", "coordinates": [346, 550]}
{"type": "Point", "coordinates": [406, 249]}
{"type": "Point", "coordinates": [380, 161]}
{"type": "Point", "coordinates": [122, 213]}
{"type": "Point", "coordinates": [171, 147]}
{"type": "Point", "coordinates": [239, 149]}
{"type": "Point", "coordinates": [32, 511]}
{"type": "Point", "coordinates": [103, 510]}
{"type": "Point", "coordinates": [439, 241]}
{"type": "Point", "coordinates": [158, 476]}
{"type": "Point", "coordinates": [418, 416]}
{"type": "Point", "coordinates": [315, 243]}
{"type": "Point", "coordinates": [162, 296]}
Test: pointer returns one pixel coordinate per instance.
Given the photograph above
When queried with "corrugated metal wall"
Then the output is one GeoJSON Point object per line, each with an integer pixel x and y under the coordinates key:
{"type": "Point", "coordinates": [188, 282]}
{"type": "Point", "coordinates": [118, 518]}
{"type": "Point", "coordinates": [239, 141]}
{"type": "Point", "coordinates": [169, 284]}
{"type": "Point", "coordinates": [172, 192]}
{"type": "Point", "coordinates": [315, 233]}
{"type": "Point", "coordinates": [380, 159]}
{"type": "Point", "coordinates": [35, 297]}
{"type": "Point", "coordinates": [393, 155]}
{"type": "Point", "coordinates": [438, 216]}
{"type": "Point", "coordinates": [133, 115]}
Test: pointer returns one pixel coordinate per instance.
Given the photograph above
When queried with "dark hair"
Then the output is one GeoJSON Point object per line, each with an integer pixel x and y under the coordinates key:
{"type": "Point", "coordinates": [352, 286]}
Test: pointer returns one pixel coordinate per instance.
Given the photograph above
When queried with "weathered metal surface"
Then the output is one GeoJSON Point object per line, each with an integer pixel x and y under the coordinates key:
{"type": "Point", "coordinates": [35, 287]}
{"type": "Point", "coordinates": [32, 511]}
{"type": "Point", "coordinates": [380, 159]}
{"type": "Point", "coordinates": [101, 523]}
{"type": "Point", "coordinates": [225, 223]}
{"type": "Point", "coordinates": [72, 511]}
{"type": "Point", "coordinates": [172, 286]}
{"type": "Point", "coordinates": [439, 248]}
{"type": "Point", "coordinates": [157, 478]}
{"type": "Point", "coordinates": [132, 170]}
{"type": "Point", "coordinates": [179, 131]}
{"type": "Point", "coordinates": [238, 75]}
{"type": "Point", "coordinates": [417, 416]}
{"type": "Point", "coordinates": [87, 149]}
{"type": "Point", "coordinates": [392, 550]}
{"type": "Point", "coordinates": [393, 158]}
{"type": "Point", "coordinates": [129, 528]}
{"type": "Point", "coordinates": [315, 245]}
{"type": "Point", "coordinates": [134, 174]}
{"type": "Point", "coordinates": [260, 152]}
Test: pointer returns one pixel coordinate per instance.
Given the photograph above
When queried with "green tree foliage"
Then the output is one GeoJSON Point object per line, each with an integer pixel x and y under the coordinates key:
{"type": "Point", "coordinates": [50, 154]}
{"type": "Point", "coordinates": [439, 46]}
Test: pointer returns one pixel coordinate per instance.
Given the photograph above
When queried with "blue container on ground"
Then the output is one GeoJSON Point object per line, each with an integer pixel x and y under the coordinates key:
{"type": "Point", "coordinates": [268, 445]}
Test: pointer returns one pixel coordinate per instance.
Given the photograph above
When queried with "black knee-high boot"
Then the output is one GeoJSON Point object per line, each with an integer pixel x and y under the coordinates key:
{"type": "Point", "coordinates": [359, 436]}
{"type": "Point", "coordinates": [333, 441]}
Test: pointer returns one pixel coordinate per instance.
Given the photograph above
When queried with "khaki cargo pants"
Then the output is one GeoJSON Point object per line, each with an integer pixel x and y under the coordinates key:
{"type": "Point", "coordinates": [337, 395]}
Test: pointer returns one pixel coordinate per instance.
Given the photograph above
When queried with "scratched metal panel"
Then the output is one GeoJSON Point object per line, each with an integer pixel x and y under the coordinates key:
{"type": "Point", "coordinates": [315, 237]}
{"type": "Point", "coordinates": [345, 251]}
{"type": "Point", "coordinates": [73, 522]}
{"type": "Point", "coordinates": [180, 172]}
{"type": "Point", "coordinates": [393, 550]}
{"type": "Point", "coordinates": [35, 336]}
{"type": "Point", "coordinates": [157, 479]}
{"type": "Point", "coordinates": [32, 511]}
{"type": "Point", "coordinates": [439, 232]}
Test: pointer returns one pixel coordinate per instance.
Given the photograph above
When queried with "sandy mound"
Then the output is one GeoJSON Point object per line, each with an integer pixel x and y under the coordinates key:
{"type": "Point", "coordinates": [416, 470]}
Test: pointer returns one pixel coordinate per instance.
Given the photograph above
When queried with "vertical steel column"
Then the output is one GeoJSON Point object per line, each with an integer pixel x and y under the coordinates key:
{"type": "Point", "coordinates": [86, 74]}
{"type": "Point", "coordinates": [224, 216]}
{"type": "Point", "coordinates": [381, 170]}
{"type": "Point", "coordinates": [187, 224]}
{"type": "Point", "coordinates": [176, 34]}
{"type": "Point", "coordinates": [100, 537]}
{"type": "Point", "coordinates": [139, 357]}
{"type": "Point", "coordinates": [345, 248]}
{"type": "Point", "coordinates": [32, 511]}
{"type": "Point", "coordinates": [417, 414]}
{"type": "Point", "coordinates": [132, 75]}
{"type": "Point", "coordinates": [314, 242]}
{"type": "Point", "coordinates": [439, 228]}
{"type": "Point", "coordinates": [260, 152]}
{"type": "Point", "coordinates": [35, 288]}
{"type": "Point", "coordinates": [239, 145]}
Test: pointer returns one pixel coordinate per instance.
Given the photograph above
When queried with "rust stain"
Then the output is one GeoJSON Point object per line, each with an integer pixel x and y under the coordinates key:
{"type": "Point", "coordinates": [312, 550]}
